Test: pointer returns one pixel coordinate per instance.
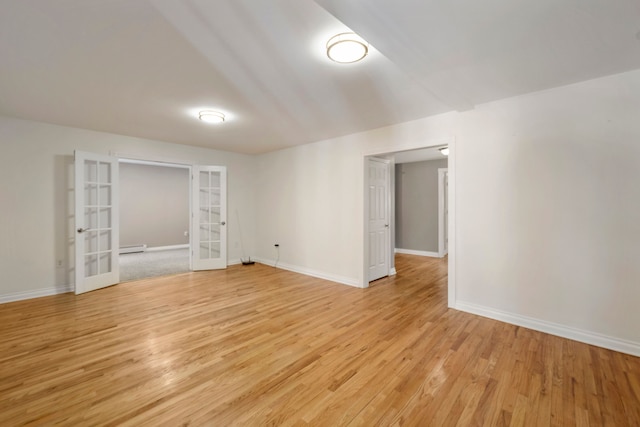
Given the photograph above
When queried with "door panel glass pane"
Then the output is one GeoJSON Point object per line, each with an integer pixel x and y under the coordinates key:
{"type": "Point", "coordinates": [104, 173]}
{"type": "Point", "coordinates": [204, 215]}
{"type": "Point", "coordinates": [90, 171]}
{"type": "Point", "coordinates": [90, 194]}
{"type": "Point", "coordinates": [204, 250]}
{"type": "Point", "coordinates": [91, 241]}
{"type": "Point", "coordinates": [90, 265]}
{"type": "Point", "coordinates": [215, 250]}
{"type": "Point", "coordinates": [105, 240]}
{"type": "Point", "coordinates": [215, 179]}
{"type": "Point", "coordinates": [204, 179]}
{"type": "Point", "coordinates": [105, 262]}
{"type": "Point", "coordinates": [215, 197]}
{"type": "Point", "coordinates": [204, 233]}
{"type": "Point", "coordinates": [204, 197]}
{"type": "Point", "coordinates": [105, 195]}
{"type": "Point", "coordinates": [214, 235]}
{"type": "Point", "coordinates": [215, 216]}
{"type": "Point", "coordinates": [91, 218]}
{"type": "Point", "coordinates": [105, 217]}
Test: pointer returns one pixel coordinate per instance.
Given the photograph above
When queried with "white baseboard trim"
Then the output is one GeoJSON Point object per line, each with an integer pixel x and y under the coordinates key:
{"type": "Point", "coordinates": [19, 296]}
{"type": "Point", "coordinates": [132, 249]}
{"type": "Point", "coordinates": [420, 253]}
{"type": "Point", "coordinates": [393, 272]}
{"type": "Point", "coordinates": [563, 331]}
{"type": "Point", "coordinates": [234, 261]}
{"type": "Point", "coordinates": [167, 248]}
{"type": "Point", "coordinates": [310, 272]}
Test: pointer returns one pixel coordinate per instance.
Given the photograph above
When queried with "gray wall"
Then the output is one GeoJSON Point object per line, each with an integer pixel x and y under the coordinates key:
{"type": "Point", "coordinates": [416, 205]}
{"type": "Point", "coordinates": [154, 205]}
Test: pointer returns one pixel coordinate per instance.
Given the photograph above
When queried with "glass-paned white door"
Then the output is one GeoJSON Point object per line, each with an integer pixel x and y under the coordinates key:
{"type": "Point", "coordinates": [96, 218]}
{"type": "Point", "coordinates": [209, 234]}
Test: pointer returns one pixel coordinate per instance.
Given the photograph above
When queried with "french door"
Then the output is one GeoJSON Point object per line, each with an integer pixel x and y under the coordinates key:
{"type": "Point", "coordinates": [96, 221]}
{"type": "Point", "coordinates": [209, 207]}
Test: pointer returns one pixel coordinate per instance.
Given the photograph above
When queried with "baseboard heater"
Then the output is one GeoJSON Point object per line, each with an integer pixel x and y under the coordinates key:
{"type": "Point", "coordinates": [133, 249]}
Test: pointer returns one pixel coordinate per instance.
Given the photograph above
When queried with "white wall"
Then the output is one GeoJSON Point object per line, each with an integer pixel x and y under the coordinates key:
{"type": "Point", "coordinates": [301, 210]}
{"type": "Point", "coordinates": [311, 197]}
{"type": "Point", "coordinates": [547, 199]}
{"type": "Point", "coordinates": [36, 214]}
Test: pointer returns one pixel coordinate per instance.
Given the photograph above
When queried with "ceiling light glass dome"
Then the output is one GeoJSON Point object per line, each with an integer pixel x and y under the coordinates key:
{"type": "Point", "coordinates": [346, 48]}
{"type": "Point", "coordinates": [210, 116]}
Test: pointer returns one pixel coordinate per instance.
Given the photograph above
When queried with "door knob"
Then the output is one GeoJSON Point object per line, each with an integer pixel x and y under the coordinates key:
{"type": "Point", "coordinates": [223, 223]}
{"type": "Point", "coordinates": [386, 225]}
{"type": "Point", "coordinates": [82, 230]}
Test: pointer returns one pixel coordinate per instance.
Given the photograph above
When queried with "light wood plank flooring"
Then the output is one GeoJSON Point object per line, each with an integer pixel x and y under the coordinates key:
{"type": "Point", "coordinates": [259, 346]}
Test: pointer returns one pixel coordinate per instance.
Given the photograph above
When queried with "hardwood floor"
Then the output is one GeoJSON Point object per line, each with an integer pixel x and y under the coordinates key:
{"type": "Point", "coordinates": [260, 346]}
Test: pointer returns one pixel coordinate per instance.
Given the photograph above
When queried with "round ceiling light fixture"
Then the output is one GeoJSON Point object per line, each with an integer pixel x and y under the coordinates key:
{"type": "Point", "coordinates": [444, 151]}
{"type": "Point", "coordinates": [210, 116]}
{"type": "Point", "coordinates": [346, 48]}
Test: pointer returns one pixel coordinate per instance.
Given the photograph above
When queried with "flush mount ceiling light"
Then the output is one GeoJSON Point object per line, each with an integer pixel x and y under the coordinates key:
{"type": "Point", "coordinates": [210, 116]}
{"type": "Point", "coordinates": [444, 151]}
{"type": "Point", "coordinates": [346, 48]}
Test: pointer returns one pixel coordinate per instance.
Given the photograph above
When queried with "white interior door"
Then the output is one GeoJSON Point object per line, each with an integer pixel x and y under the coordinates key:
{"type": "Point", "coordinates": [96, 218]}
{"type": "Point", "coordinates": [379, 213]}
{"type": "Point", "coordinates": [209, 231]}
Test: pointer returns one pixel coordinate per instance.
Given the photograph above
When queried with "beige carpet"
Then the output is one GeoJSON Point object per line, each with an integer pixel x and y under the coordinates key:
{"type": "Point", "coordinates": [152, 264]}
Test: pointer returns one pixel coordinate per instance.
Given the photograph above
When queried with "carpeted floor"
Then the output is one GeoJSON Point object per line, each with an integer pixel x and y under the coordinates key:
{"type": "Point", "coordinates": [151, 264]}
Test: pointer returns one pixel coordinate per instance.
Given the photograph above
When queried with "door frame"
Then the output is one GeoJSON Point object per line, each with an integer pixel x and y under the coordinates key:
{"type": "Point", "coordinates": [442, 249]}
{"type": "Point", "coordinates": [168, 164]}
{"type": "Point", "coordinates": [451, 282]}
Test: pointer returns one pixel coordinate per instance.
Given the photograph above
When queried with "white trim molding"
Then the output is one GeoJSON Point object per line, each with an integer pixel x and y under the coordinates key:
{"type": "Point", "coordinates": [310, 272]}
{"type": "Point", "coordinates": [419, 253]}
{"type": "Point", "coordinates": [443, 174]}
{"type": "Point", "coordinates": [19, 296]}
{"type": "Point", "coordinates": [588, 337]}
{"type": "Point", "coordinates": [167, 248]}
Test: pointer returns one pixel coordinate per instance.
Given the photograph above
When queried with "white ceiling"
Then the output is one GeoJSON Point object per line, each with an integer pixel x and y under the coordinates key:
{"type": "Point", "coordinates": [144, 67]}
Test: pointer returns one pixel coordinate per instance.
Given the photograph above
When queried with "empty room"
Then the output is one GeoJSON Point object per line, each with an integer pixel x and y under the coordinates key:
{"type": "Point", "coordinates": [312, 289]}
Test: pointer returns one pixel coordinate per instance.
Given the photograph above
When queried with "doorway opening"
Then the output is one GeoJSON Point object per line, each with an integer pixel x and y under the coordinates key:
{"type": "Point", "coordinates": [442, 229]}
{"type": "Point", "coordinates": [419, 203]}
{"type": "Point", "coordinates": [154, 219]}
